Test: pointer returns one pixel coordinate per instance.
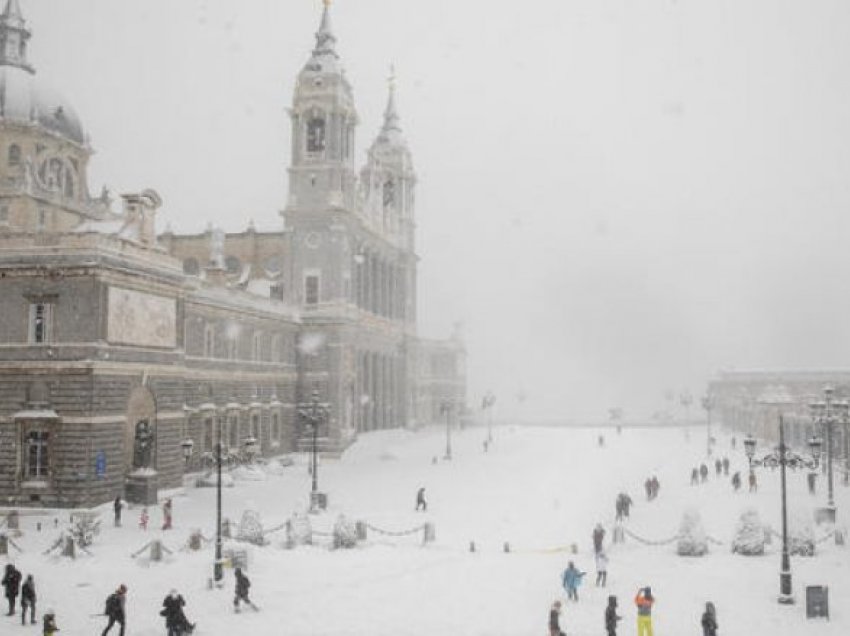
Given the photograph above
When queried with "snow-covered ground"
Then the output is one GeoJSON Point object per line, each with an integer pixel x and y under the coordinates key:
{"type": "Point", "coordinates": [538, 489]}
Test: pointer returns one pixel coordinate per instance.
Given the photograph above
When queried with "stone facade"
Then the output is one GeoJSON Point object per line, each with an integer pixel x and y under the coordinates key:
{"type": "Point", "coordinates": [126, 356]}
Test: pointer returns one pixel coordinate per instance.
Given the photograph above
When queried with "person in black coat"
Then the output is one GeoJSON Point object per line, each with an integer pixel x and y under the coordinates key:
{"type": "Point", "coordinates": [12, 582]}
{"type": "Point", "coordinates": [242, 586]}
{"type": "Point", "coordinates": [115, 604]}
{"type": "Point", "coordinates": [28, 600]}
{"type": "Point", "coordinates": [554, 620]}
{"type": "Point", "coordinates": [709, 620]}
{"type": "Point", "coordinates": [176, 622]}
{"type": "Point", "coordinates": [611, 616]}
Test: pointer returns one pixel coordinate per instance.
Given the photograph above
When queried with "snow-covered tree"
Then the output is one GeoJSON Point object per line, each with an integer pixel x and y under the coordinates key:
{"type": "Point", "coordinates": [692, 539]}
{"type": "Point", "coordinates": [298, 530]}
{"type": "Point", "coordinates": [83, 528]}
{"type": "Point", "coordinates": [345, 533]}
{"type": "Point", "coordinates": [801, 537]}
{"type": "Point", "coordinates": [251, 528]}
{"type": "Point", "coordinates": [749, 536]}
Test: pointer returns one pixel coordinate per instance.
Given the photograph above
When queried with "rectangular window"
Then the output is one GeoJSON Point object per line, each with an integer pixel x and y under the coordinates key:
{"type": "Point", "coordinates": [4, 215]}
{"type": "Point", "coordinates": [41, 223]}
{"type": "Point", "coordinates": [275, 433]}
{"type": "Point", "coordinates": [233, 426]}
{"type": "Point", "coordinates": [36, 450]}
{"type": "Point", "coordinates": [41, 323]}
{"type": "Point", "coordinates": [255, 426]}
{"type": "Point", "coordinates": [311, 289]}
{"type": "Point", "coordinates": [258, 351]}
{"type": "Point", "coordinates": [208, 434]}
{"type": "Point", "coordinates": [209, 341]}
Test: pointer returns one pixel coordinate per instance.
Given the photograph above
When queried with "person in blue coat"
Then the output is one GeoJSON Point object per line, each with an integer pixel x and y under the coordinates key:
{"type": "Point", "coordinates": [571, 579]}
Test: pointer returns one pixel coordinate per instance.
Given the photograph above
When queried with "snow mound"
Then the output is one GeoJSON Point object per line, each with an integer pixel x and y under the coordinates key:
{"type": "Point", "coordinates": [209, 481]}
{"type": "Point", "coordinates": [692, 538]}
{"type": "Point", "coordinates": [253, 472]}
{"type": "Point", "coordinates": [251, 528]}
{"type": "Point", "coordinates": [749, 536]}
{"type": "Point", "coordinates": [345, 533]}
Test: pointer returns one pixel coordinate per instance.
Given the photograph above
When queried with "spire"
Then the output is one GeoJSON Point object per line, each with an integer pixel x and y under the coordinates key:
{"type": "Point", "coordinates": [391, 117]}
{"type": "Point", "coordinates": [13, 37]}
{"type": "Point", "coordinates": [325, 39]}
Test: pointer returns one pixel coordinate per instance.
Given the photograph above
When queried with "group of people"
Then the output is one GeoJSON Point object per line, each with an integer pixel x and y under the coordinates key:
{"type": "Point", "coordinates": [651, 486]}
{"type": "Point", "coordinates": [622, 506]}
{"type": "Point", "coordinates": [144, 515]}
{"type": "Point", "coordinates": [13, 587]}
{"type": "Point", "coordinates": [644, 600]}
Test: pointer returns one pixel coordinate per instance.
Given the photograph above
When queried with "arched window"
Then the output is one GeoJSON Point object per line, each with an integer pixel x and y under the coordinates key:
{"type": "Point", "coordinates": [69, 183]}
{"type": "Point", "coordinates": [315, 134]}
{"type": "Point", "coordinates": [14, 155]}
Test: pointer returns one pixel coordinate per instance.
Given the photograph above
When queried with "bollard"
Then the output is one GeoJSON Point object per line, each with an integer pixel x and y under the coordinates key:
{"type": "Point", "coordinates": [573, 548]}
{"type": "Point", "coordinates": [4, 544]}
{"type": "Point", "coordinates": [472, 546]}
{"type": "Point", "coordinates": [38, 526]}
{"type": "Point", "coordinates": [429, 534]}
{"type": "Point", "coordinates": [360, 528]}
{"type": "Point", "coordinates": [13, 520]}
{"type": "Point", "coordinates": [839, 537]}
{"type": "Point", "coordinates": [225, 528]}
{"type": "Point", "coordinates": [156, 550]}
{"type": "Point", "coordinates": [69, 550]}
{"type": "Point", "coordinates": [195, 540]}
{"type": "Point", "coordinates": [507, 547]}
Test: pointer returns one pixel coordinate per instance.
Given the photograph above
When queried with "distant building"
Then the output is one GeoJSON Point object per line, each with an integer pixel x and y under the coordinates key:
{"type": "Point", "coordinates": [124, 355]}
{"type": "Point", "coordinates": [751, 401]}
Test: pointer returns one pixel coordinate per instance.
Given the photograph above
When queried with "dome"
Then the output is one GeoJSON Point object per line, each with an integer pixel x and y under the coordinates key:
{"type": "Point", "coordinates": [26, 101]}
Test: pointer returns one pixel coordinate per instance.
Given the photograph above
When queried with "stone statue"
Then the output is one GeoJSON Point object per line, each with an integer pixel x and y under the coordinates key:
{"type": "Point", "coordinates": [143, 445]}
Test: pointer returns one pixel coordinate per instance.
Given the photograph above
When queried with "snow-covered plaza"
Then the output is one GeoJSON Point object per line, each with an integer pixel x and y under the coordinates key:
{"type": "Point", "coordinates": [524, 503]}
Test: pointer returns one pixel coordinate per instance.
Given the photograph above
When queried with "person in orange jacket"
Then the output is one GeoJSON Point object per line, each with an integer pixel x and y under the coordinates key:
{"type": "Point", "coordinates": [644, 601]}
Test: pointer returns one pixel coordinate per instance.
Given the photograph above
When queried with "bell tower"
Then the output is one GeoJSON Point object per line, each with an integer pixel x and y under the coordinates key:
{"type": "Point", "coordinates": [321, 173]}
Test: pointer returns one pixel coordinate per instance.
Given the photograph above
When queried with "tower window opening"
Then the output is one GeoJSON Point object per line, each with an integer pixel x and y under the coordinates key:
{"type": "Point", "coordinates": [316, 134]}
{"type": "Point", "coordinates": [14, 155]}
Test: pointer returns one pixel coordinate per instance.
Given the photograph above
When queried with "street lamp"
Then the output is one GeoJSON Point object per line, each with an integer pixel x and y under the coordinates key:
{"type": "Point", "coordinates": [826, 413]}
{"type": "Point", "coordinates": [782, 457]}
{"type": "Point", "coordinates": [314, 413]}
{"type": "Point", "coordinates": [186, 445]}
{"type": "Point", "coordinates": [446, 407]}
{"type": "Point", "coordinates": [487, 405]}
{"type": "Point", "coordinates": [218, 565]}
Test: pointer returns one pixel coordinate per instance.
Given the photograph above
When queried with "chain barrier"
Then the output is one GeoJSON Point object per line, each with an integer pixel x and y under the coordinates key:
{"type": "Point", "coordinates": [715, 541]}
{"type": "Point", "coordinates": [647, 541]}
{"type": "Point", "coordinates": [389, 533]}
{"type": "Point", "coordinates": [826, 537]}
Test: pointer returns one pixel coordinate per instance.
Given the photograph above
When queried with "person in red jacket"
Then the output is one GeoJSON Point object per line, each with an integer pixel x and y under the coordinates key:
{"type": "Point", "coordinates": [644, 601]}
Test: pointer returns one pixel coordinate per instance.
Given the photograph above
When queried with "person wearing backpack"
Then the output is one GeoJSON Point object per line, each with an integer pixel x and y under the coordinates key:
{"type": "Point", "coordinates": [115, 604]}
{"type": "Point", "coordinates": [242, 585]}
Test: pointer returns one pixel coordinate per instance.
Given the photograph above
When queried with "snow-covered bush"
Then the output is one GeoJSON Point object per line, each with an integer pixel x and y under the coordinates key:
{"type": "Point", "coordinates": [749, 536]}
{"type": "Point", "coordinates": [692, 539]}
{"type": "Point", "coordinates": [801, 537]}
{"type": "Point", "coordinates": [249, 472]}
{"type": "Point", "coordinates": [84, 528]}
{"type": "Point", "coordinates": [345, 533]}
{"type": "Point", "coordinates": [251, 528]}
{"type": "Point", "coordinates": [298, 530]}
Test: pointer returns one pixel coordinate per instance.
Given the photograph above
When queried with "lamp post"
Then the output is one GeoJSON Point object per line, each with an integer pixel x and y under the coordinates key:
{"type": "Point", "coordinates": [218, 566]}
{"type": "Point", "coordinates": [782, 457]}
{"type": "Point", "coordinates": [446, 407]}
{"type": "Point", "coordinates": [314, 413]}
{"type": "Point", "coordinates": [487, 405]}
{"type": "Point", "coordinates": [827, 413]}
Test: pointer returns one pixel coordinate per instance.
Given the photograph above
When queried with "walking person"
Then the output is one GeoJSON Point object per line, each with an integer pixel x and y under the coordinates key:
{"type": "Point", "coordinates": [166, 514]}
{"type": "Point", "coordinates": [28, 600]}
{"type": "Point", "coordinates": [627, 504]}
{"type": "Point", "coordinates": [709, 620]}
{"type": "Point", "coordinates": [12, 583]}
{"type": "Point", "coordinates": [176, 623]}
{"type": "Point", "coordinates": [736, 481]}
{"type": "Point", "coordinates": [718, 467]}
{"type": "Point", "coordinates": [694, 476]}
{"type": "Point", "coordinates": [420, 500]}
{"type": "Point", "coordinates": [144, 517]}
{"type": "Point", "coordinates": [703, 473]}
{"type": "Point", "coordinates": [598, 537]}
{"type": "Point", "coordinates": [611, 616]}
{"type": "Point", "coordinates": [48, 623]}
{"type": "Point", "coordinates": [726, 466]}
{"type": "Point", "coordinates": [753, 483]}
{"type": "Point", "coordinates": [571, 579]}
{"type": "Point", "coordinates": [242, 586]}
{"type": "Point", "coordinates": [644, 601]}
{"type": "Point", "coordinates": [554, 620]}
{"type": "Point", "coordinates": [116, 610]}
{"type": "Point", "coordinates": [117, 506]}
{"type": "Point", "coordinates": [601, 568]}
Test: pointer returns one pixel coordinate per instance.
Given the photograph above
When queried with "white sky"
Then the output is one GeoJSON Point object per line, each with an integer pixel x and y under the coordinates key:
{"type": "Point", "coordinates": [616, 197]}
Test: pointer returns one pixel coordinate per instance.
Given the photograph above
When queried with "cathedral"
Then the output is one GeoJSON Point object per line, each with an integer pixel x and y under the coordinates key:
{"type": "Point", "coordinates": [127, 356]}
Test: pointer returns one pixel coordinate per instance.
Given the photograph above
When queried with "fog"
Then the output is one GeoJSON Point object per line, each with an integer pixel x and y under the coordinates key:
{"type": "Point", "coordinates": [616, 198]}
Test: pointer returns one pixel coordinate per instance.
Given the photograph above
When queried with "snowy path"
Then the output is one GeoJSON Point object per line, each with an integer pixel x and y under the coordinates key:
{"type": "Point", "coordinates": [537, 489]}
